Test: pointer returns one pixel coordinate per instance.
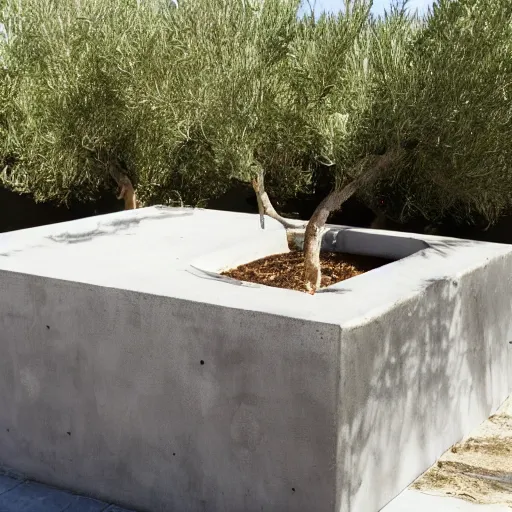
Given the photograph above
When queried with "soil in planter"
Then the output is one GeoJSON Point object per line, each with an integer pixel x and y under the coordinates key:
{"type": "Point", "coordinates": [287, 270]}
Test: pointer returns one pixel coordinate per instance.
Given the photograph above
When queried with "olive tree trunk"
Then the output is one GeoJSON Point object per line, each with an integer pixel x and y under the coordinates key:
{"type": "Point", "coordinates": [373, 169]}
{"type": "Point", "coordinates": [126, 190]}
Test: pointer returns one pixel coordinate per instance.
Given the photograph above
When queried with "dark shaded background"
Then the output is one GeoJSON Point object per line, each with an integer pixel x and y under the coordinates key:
{"type": "Point", "coordinates": [21, 211]}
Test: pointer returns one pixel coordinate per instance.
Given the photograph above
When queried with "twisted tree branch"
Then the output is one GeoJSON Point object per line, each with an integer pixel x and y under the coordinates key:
{"type": "Point", "coordinates": [265, 206]}
{"type": "Point", "coordinates": [314, 229]}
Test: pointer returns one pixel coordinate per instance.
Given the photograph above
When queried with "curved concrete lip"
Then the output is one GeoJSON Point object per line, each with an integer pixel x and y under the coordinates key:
{"type": "Point", "coordinates": [335, 239]}
{"type": "Point", "coordinates": [422, 261]}
{"type": "Point", "coordinates": [249, 249]}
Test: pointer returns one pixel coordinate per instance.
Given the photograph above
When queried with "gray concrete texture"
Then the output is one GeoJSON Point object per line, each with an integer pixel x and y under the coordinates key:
{"type": "Point", "coordinates": [133, 373]}
{"type": "Point", "coordinates": [415, 501]}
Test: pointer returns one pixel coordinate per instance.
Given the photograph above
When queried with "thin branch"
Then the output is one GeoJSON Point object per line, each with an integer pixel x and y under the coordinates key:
{"type": "Point", "coordinates": [265, 207]}
{"type": "Point", "coordinates": [313, 235]}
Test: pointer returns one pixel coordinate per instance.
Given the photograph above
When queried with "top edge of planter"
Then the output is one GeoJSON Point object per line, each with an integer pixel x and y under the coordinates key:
{"type": "Point", "coordinates": [178, 252]}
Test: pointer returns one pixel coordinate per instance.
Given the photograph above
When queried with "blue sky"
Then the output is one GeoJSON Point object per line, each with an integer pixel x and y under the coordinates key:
{"type": "Point", "coordinates": [378, 5]}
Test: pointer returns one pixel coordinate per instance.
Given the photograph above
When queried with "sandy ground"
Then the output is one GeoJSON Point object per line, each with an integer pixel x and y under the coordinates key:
{"type": "Point", "coordinates": [479, 468]}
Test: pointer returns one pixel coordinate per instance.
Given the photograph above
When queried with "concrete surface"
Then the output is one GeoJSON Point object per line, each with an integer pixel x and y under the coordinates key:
{"type": "Point", "coordinates": [473, 475]}
{"type": "Point", "coordinates": [133, 373]}
{"type": "Point", "coordinates": [415, 501]}
{"type": "Point", "coordinates": [18, 495]}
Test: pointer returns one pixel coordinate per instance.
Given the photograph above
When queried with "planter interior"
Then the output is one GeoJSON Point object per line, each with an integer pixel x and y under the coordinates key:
{"type": "Point", "coordinates": [336, 239]}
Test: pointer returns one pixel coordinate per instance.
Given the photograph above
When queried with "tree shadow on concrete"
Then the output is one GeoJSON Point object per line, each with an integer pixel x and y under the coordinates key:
{"type": "Point", "coordinates": [445, 247]}
{"type": "Point", "coordinates": [414, 380]}
{"type": "Point", "coordinates": [120, 224]}
{"type": "Point", "coordinates": [104, 228]}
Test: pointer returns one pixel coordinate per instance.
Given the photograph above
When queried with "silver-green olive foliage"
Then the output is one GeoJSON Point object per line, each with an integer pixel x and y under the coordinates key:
{"type": "Point", "coordinates": [185, 99]}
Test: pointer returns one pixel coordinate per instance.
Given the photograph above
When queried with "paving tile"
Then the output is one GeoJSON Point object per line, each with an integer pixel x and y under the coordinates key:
{"type": "Point", "coordinates": [82, 504]}
{"type": "Point", "coordinates": [32, 497]}
{"type": "Point", "coordinates": [7, 483]}
{"type": "Point", "coordinates": [113, 508]}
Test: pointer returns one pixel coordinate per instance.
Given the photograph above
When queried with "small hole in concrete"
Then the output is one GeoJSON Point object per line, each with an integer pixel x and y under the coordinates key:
{"type": "Point", "coordinates": [68, 433]}
{"type": "Point", "coordinates": [293, 489]}
{"type": "Point", "coordinates": [174, 455]}
{"type": "Point", "coordinates": [48, 327]}
{"type": "Point", "coordinates": [7, 430]}
{"type": "Point", "coordinates": [202, 362]}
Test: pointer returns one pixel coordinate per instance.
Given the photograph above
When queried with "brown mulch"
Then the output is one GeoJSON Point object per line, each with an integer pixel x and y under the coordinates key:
{"type": "Point", "coordinates": [287, 270]}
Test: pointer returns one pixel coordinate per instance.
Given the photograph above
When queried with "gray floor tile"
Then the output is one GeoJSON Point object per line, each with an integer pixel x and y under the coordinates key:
{"type": "Point", "coordinates": [32, 497]}
{"type": "Point", "coordinates": [82, 504]}
{"type": "Point", "coordinates": [113, 508]}
{"type": "Point", "coordinates": [7, 483]}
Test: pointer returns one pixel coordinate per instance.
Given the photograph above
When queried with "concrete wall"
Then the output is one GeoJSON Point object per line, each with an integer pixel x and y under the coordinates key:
{"type": "Point", "coordinates": [128, 375]}
{"type": "Point", "coordinates": [417, 378]}
{"type": "Point", "coordinates": [105, 392]}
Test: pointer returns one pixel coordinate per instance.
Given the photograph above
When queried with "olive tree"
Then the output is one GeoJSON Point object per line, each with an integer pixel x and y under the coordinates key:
{"type": "Point", "coordinates": [421, 106]}
{"type": "Point", "coordinates": [65, 115]}
{"type": "Point", "coordinates": [98, 91]}
{"type": "Point", "coordinates": [335, 84]}
{"type": "Point", "coordinates": [444, 94]}
{"type": "Point", "coordinates": [173, 101]}
{"type": "Point", "coordinates": [255, 125]}
{"type": "Point", "coordinates": [176, 102]}
{"type": "Point", "coordinates": [462, 111]}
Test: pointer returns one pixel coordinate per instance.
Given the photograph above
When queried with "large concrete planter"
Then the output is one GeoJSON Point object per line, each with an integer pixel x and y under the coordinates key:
{"type": "Point", "coordinates": [131, 371]}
